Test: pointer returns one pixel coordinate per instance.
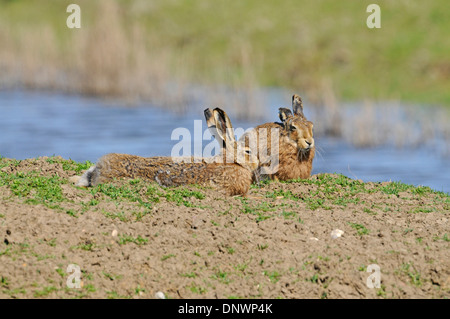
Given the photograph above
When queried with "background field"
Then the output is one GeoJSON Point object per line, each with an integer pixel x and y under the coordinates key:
{"type": "Point", "coordinates": [145, 49]}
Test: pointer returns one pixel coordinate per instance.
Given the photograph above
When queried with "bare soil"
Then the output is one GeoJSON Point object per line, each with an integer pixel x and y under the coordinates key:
{"type": "Point", "coordinates": [132, 239]}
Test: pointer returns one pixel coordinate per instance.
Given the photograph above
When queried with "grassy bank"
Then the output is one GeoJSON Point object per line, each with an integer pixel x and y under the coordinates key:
{"type": "Point", "coordinates": [139, 48]}
{"type": "Point", "coordinates": [132, 238]}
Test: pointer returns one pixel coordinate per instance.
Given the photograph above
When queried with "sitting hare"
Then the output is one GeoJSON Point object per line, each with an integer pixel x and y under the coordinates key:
{"type": "Point", "coordinates": [231, 176]}
{"type": "Point", "coordinates": [294, 144]}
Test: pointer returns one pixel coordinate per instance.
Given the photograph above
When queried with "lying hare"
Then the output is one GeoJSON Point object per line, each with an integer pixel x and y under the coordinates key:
{"type": "Point", "coordinates": [232, 177]}
{"type": "Point", "coordinates": [295, 143]}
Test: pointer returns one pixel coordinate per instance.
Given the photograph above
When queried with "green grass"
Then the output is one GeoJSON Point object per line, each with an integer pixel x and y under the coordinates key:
{"type": "Point", "coordinates": [222, 277]}
{"type": "Point", "coordinates": [258, 210]}
{"type": "Point", "coordinates": [197, 289]}
{"type": "Point", "coordinates": [130, 193]}
{"type": "Point", "coordinates": [125, 239]}
{"type": "Point", "coordinates": [414, 275]}
{"type": "Point", "coordinates": [274, 276]}
{"type": "Point", "coordinates": [71, 165]}
{"type": "Point", "coordinates": [181, 196]}
{"type": "Point", "coordinates": [165, 257]}
{"type": "Point", "coordinates": [360, 229]}
{"type": "Point", "coordinates": [45, 291]}
{"type": "Point", "coordinates": [35, 189]}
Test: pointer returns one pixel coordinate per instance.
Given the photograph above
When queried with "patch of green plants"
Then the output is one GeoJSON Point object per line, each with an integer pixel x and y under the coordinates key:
{"type": "Point", "coordinates": [89, 246]}
{"type": "Point", "coordinates": [44, 291]}
{"type": "Point", "coordinates": [222, 277]}
{"type": "Point", "coordinates": [422, 210]}
{"type": "Point", "coordinates": [35, 189]}
{"type": "Point", "coordinates": [285, 194]}
{"type": "Point", "coordinates": [126, 192]}
{"type": "Point", "coordinates": [360, 229]}
{"type": "Point", "coordinates": [445, 237]}
{"type": "Point", "coordinates": [314, 279]}
{"type": "Point", "coordinates": [4, 162]}
{"type": "Point", "coordinates": [181, 196]}
{"type": "Point", "coordinates": [111, 277]}
{"type": "Point", "coordinates": [114, 295]}
{"type": "Point", "coordinates": [165, 257]}
{"type": "Point", "coordinates": [197, 289]}
{"type": "Point", "coordinates": [289, 214]}
{"type": "Point", "coordinates": [4, 281]}
{"type": "Point", "coordinates": [125, 239]}
{"type": "Point", "coordinates": [71, 165]}
{"type": "Point", "coordinates": [394, 188]}
{"type": "Point", "coordinates": [409, 270]}
{"type": "Point", "coordinates": [258, 210]}
{"type": "Point", "coordinates": [274, 276]}
{"type": "Point", "coordinates": [189, 275]}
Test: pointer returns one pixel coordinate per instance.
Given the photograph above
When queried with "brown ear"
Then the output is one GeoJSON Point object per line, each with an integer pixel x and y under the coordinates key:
{"type": "Point", "coordinates": [297, 105]}
{"type": "Point", "coordinates": [211, 123]}
{"type": "Point", "coordinates": [209, 117]}
{"type": "Point", "coordinates": [224, 128]}
{"type": "Point", "coordinates": [284, 113]}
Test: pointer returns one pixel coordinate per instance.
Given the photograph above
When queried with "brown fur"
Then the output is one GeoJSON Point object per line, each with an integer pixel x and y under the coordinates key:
{"type": "Point", "coordinates": [231, 178]}
{"type": "Point", "coordinates": [295, 155]}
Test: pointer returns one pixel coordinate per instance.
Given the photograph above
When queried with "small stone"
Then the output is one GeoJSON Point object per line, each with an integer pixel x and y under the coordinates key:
{"type": "Point", "coordinates": [160, 295]}
{"type": "Point", "coordinates": [314, 238]}
{"type": "Point", "coordinates": [336, 233]}
{"type": "Point", "coordinates": [114, 233]}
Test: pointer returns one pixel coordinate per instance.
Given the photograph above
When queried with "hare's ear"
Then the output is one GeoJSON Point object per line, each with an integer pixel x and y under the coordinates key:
{"type": "Point", "coordinates": [210, 122]}
{"type": "Point", "coordinates": [213, 124]}
{"type": "Point", "coordinates": [297, 105]}
{"type": "Point", "coordinates": [224, 128]}
{"type": "Point", "coordinates": [284, 113]}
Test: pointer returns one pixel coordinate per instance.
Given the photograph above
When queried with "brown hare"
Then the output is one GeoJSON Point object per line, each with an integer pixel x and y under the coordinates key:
{"type": "Point", "coordinates": [294, 144]}
{"type": "Point", "coordinates": [230, 176]}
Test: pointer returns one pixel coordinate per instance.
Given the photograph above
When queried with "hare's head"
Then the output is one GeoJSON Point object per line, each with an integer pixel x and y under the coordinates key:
{"type": "Point", "coordinates": [297, 129]}
{"type": "Point", "coordinates": [233, 151]}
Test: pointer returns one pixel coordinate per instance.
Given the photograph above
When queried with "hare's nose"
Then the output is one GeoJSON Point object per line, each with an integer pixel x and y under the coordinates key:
{"type": "Point", "coordinates": [309, 143]}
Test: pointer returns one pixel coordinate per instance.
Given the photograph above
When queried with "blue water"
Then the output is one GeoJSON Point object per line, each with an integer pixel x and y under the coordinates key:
{"type": "Point", "coordinates": [36, 124]}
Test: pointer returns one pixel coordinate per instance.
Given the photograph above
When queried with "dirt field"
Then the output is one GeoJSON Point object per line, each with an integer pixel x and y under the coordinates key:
{"type": "Point", "coordinates": [132, 239]}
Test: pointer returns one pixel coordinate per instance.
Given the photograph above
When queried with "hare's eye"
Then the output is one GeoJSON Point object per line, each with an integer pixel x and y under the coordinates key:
{"type": "Point", "coordinates": [248, 152]}
{"type": "Point", "coordinates": [293, 128]}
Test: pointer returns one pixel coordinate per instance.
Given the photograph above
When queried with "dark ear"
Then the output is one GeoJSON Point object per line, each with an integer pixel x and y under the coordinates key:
{"type": "Point", "coordinates": [297, 105]}
{"type": "Point", "coordinates": [211, 123]}
{"type": "Point", "coordinates": [224, 128]}
{"type": "Point", "coordinates": [284, 113]}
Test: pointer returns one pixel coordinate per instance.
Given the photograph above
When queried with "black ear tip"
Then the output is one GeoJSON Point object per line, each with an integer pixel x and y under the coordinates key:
{"type": "Point", "coordinates": [283, 110]}
{"type": "Point", "coordinates": [208, 112]}
{"type": "Point", "coordinates": [296, 98]}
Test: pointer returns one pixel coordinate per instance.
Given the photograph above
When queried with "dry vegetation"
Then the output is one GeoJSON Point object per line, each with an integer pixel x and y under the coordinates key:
{"type": "Point", "coordinates": [159, 50]}
{"type": "Point", "coordinates": [176, 53]}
